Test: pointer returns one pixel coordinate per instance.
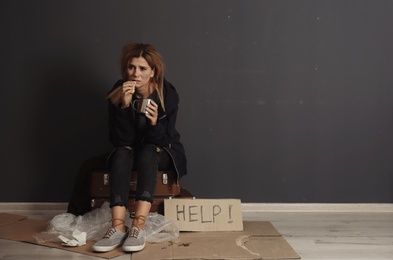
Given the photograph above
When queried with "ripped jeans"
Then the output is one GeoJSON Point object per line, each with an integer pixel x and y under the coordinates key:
{"type": "Point", "coordinates": [147, 162]}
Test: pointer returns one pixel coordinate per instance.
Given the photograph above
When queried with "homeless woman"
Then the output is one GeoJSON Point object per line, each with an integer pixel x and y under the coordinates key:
{"type": "Point", "coordinates": [142, 126]}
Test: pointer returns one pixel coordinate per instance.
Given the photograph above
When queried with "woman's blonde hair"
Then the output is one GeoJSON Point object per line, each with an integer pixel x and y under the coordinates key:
{"type": "Point", "coordinates": [155, 61]}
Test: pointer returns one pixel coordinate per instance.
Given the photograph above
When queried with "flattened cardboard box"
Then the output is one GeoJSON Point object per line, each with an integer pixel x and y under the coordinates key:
{"type": "Point", "coordinates": [19, 228]}
{"type": "Point", "coordinates": [258, 240]}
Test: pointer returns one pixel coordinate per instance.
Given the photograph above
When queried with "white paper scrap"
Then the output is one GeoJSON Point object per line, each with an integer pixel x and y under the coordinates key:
{"type": "Point", "coordinates": [79, 239]}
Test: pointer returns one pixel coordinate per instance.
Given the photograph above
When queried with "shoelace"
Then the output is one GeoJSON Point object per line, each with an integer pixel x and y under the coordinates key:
{"type": "Point", "coordinates": [110, 232]}
{"type": "Point", "coordinates": [134, 232]}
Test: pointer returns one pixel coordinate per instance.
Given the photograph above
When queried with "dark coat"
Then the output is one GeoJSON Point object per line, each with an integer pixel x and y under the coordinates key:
{"type": "Point", "coordinates": [123, 132]}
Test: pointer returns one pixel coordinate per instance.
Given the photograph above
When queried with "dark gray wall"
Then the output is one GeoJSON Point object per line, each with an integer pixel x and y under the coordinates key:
{"type": "Point", "coordinates": [281, 101]}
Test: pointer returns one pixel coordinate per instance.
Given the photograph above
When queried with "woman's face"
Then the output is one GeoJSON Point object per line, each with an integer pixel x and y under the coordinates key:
{"type": "Point", "coordinates": [139, 71]}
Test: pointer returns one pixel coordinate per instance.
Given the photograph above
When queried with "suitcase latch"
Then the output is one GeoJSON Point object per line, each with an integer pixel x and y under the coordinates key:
{"type": "Point", "coordinates": [106, 179]}
{"type": "Point", "coordinates": [164, 178]}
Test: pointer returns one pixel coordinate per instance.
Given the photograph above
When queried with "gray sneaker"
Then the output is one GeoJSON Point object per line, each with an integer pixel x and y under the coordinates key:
{"type": "Point", "coordinates": [111, 240]}
{"type": "Point", "coordinates": [135, 241]}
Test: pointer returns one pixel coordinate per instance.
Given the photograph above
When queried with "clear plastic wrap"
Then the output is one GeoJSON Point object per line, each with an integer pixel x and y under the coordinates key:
{"type": "Point", "coordinates": [159, 229]}
{"type": "Point", "coordinates": [96, 223]}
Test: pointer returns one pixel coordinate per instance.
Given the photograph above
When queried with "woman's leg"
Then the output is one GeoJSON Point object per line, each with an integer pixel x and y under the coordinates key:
{"type": "Point", "coordinates": [142, 210]}
{"type": "Point", "coordinates": [118, 216]}
{"type": "Point", "coordinates": [147, 166]}
{"type": "Point", "coordinates": [120, 166]}
{"type": "Point", "coordinates": [149, 160]}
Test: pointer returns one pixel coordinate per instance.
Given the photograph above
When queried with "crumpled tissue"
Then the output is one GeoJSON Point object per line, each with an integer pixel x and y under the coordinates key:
{"type": "Point", "coordinates": [79, 239]}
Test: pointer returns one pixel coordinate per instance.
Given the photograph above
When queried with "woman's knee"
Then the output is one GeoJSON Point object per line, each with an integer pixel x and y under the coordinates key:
{"type": "Point", "coordinates": [148, 155]}
{"type": "Point", "coordinates": [121, 155]}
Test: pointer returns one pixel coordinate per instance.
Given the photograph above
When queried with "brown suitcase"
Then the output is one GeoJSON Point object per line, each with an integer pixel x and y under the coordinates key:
{"type": "Point", "coordinates": [156, 206]}
{"type": "Point", "coordinates": [167, 187]}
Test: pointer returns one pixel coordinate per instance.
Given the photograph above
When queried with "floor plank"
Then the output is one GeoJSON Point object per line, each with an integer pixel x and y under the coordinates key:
{"type": "Point", "coordinates": [322, 236]}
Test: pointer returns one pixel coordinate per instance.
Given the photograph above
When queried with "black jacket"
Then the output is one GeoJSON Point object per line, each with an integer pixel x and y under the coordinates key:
{"type": "Point", "coordinates": [123, 132]}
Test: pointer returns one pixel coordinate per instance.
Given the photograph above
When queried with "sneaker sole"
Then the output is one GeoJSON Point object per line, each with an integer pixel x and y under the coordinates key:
{"type": "Point", "coordinates": [104, 249]}
{"type": "Point", "coordinates": [133, 248]}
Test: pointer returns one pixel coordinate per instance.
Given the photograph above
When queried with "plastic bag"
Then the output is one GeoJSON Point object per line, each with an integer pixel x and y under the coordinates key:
{"type": "Point", "coordinates": [97, 222]}
{"type": "Point", "coordinates": [159, 229]}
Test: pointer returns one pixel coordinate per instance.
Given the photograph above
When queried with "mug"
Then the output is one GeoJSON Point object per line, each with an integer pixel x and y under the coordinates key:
{"type": "Point", "coordinates": [142, 104]}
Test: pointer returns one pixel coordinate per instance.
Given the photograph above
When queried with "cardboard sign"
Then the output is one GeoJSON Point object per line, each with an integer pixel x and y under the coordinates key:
{"type": "Point", "coordinates": [205, 214]}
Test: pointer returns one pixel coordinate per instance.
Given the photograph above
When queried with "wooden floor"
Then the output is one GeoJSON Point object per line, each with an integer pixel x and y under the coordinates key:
{"type": "Point", "coordinates": [314, 236]}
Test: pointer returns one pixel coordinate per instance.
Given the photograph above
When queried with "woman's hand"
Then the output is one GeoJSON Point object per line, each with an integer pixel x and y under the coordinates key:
{"type": "Point", "coordinates": [128, 89]}
{"type": "Point", "coordinates": [152, 112]}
